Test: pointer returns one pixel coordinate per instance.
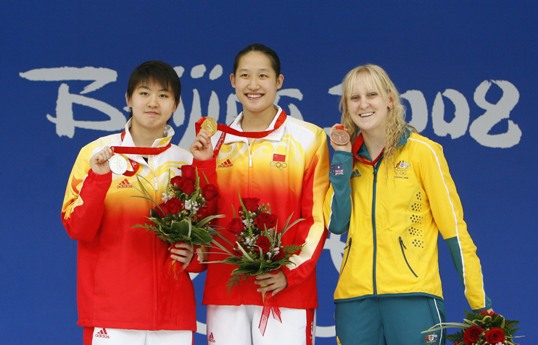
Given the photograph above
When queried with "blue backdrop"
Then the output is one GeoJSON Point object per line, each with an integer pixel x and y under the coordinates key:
{"type": "Point", "coordinates": [466, 71]}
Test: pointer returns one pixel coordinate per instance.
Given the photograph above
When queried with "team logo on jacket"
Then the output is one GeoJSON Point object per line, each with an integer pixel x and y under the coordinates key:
{"type": "Point", "coordinates": [226, 164]}
{"type": "Point", "coordinates": [401, 169]}
{"type": "Point", "coordinates": [355, 173]}
{"type": "Point", "coordinates": [124, 184]}
{"type": "Point", "coordinates": [279, 161]}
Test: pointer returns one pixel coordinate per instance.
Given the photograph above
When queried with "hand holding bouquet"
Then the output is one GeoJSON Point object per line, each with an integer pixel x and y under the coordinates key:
{"type": "Point", "coordinates": [258, 248]}
{"type": "Point", "coordinates": [186, 211]}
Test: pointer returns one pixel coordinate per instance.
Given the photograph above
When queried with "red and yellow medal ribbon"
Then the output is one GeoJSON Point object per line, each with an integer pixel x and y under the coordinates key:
{"type": "Point", "coordinates": [144, 151]}
{"type": "Point", "coordinates": [225, 129]}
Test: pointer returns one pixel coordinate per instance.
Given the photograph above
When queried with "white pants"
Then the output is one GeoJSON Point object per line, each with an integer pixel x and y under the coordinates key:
{"type": "Point", "coordinates": [238, 325]}
{"type": "Point", "coordinates": [115, 336]}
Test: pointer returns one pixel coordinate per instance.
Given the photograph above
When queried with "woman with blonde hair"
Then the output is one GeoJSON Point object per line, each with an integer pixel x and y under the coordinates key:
{"type": "Point", "coordinates": [391, 190]}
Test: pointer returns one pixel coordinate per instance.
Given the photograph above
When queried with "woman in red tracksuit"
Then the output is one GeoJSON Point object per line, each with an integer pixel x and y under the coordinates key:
{"type": "Point", "coordinates": [126, 294]}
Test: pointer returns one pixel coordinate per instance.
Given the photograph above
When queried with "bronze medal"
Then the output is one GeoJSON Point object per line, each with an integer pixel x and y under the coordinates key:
{"type": "Point", "coordinates": [339, 136]}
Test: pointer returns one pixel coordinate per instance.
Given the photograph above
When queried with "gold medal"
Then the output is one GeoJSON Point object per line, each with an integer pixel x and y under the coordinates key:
{"type": "Point", "coordinates": [210, 125]}
{"type": "Point", "coordinates": [117, 164]}
{"type": "Point", "coordinates": [339, 135]}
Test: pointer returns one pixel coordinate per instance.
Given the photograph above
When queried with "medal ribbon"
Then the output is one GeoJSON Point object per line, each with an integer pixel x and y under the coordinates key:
{"type": "Point", "coordinates": [359, 140]}
{"type": "Point", "coordinates": [145, 151]}
{"type": "Point", "coordinates": [268, 307]}
{"type": "Point", "coordinates": [138, 150]}
{"type": "Point", "coordinates": [227, 129]}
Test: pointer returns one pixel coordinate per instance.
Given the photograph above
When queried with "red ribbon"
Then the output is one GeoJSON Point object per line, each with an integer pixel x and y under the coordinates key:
{"type": "Point", "coordinates": [227, 129]}
{"type": "Point", "coordinates": [268, 308]}
{"type": "Point", "coordinates": [355, 150]}
{"type": "Point", "coordinates": [145, 151]}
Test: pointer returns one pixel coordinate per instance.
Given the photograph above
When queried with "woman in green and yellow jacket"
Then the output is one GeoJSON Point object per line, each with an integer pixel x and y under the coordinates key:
{"type": "Point", "coordinates": [391, 190]}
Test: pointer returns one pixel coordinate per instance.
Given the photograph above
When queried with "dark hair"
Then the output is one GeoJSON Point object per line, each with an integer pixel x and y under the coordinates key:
{"type": "Point", "coordinates": [257, 47]}
{"type": "Point", "coordinates": [157, 72]}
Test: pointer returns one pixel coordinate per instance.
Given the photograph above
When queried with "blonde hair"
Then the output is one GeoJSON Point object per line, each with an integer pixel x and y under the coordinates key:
{"type": "Point", "coordinates": [376, 78]}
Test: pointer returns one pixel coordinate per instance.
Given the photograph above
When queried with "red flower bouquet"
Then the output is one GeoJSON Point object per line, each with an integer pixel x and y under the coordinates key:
{"type": "Point", "coordinates": [186, 210]}
{"type": "Point", "coordinates": [258, 247]}
{"type": "Point", "coordinates": [484, 328]}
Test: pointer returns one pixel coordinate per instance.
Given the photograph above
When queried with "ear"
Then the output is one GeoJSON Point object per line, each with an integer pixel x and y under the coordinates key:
{"type": "Point", "coordinates": [177, 105]}
{"type": "Point", "coordinates": [391, 102]}
{"type": "Point", "coordinates": [128, 100]}
{"type": "Point", "coordinates": [279, 81]}
{"type": "Point", "coordinates": [232, 80]}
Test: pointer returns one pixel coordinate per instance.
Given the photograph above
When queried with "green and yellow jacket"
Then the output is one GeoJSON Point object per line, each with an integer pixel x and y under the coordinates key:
{"type": "Point", "coordinates": [393, 212]}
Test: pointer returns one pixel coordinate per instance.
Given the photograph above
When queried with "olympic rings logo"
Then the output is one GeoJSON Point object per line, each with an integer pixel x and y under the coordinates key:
{"type": "Point", "coordinates": [279, 165]}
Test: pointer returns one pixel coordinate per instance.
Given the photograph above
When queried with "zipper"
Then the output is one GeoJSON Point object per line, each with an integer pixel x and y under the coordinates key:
{"type": "Point", "coordinates": [403, 248]}
{"type": "Point", "coordinates": [155, 177]}
{"type": "Point", "coordinates": [374, 234]}
{"type": "Point", "coordinates": [250, 144]}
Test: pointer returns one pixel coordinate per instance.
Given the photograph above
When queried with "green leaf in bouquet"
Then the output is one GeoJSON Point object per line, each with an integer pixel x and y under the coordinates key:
{"type": "Point", "coordinates": [292, 248]}
{"type": "Point", "coordinates": [181, 230]}
{"type": "Point", "coordinates": [200, 236]}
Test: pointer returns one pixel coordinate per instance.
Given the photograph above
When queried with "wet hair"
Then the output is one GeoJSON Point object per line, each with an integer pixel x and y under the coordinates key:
{"type": "Point", "coordinates": [377, 79]}
{"type": "Point", "coordinates": [157, 72]}
{"type": "Point", "coordinates": [257, 47]}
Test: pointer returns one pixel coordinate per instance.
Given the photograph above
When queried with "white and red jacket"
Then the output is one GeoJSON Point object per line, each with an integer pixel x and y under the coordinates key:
{"type": "Point", "coordinates": [289, 170]}
{"type": "Point", "coordinates": [124, 278]}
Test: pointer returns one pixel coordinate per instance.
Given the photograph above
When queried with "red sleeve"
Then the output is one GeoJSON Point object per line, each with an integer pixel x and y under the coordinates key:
{"type": "Point", "coordinates": [195, 265]}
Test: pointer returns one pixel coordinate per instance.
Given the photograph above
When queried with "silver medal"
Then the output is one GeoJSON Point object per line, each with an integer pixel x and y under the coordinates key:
{"type": "Point", "coordinates": [117, 164]}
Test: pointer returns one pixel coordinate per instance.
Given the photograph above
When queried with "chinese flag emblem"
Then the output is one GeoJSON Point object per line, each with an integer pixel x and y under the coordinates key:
{"type": "Point", "coordinates": [278, 157]}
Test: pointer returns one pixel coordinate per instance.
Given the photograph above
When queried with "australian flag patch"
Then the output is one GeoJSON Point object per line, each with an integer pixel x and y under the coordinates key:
{"type": "Point", "coordinates": [336, 170]}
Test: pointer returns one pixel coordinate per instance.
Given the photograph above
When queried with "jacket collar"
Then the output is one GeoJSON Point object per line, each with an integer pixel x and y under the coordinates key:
{"type": "Point", "coordinates": [127, 139]}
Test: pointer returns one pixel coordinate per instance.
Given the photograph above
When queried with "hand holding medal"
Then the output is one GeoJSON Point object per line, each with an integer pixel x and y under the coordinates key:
{"type": "Point", "coordinates": [117, 164]}
{"type": "Point", "coordinates": [210, 125]}
{"type": "Point", "coordinates": [106, 160]}
{"type": "Point", "coordinates": [339, 136]}
{"type": "Point", "coordinates": [202, 148]}
{"type": "Point", "coordinates": [99, 161]}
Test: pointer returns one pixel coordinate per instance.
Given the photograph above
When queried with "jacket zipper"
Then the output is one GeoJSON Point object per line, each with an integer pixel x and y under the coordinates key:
{"type": "Point", "coordinates": [403, 248]}
{"type": "Point", "coordinates": [249, 145]}
{"type": "Point", "coordinates": [374, 233]}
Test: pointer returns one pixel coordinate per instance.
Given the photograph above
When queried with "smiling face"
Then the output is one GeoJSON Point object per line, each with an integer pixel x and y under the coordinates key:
{"type": "Point", "coordinates": [152, 106]}
{"type": "Point", "coordinates": [256, 84]}
{"type": "Point", "coordinates": [367, 106]}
